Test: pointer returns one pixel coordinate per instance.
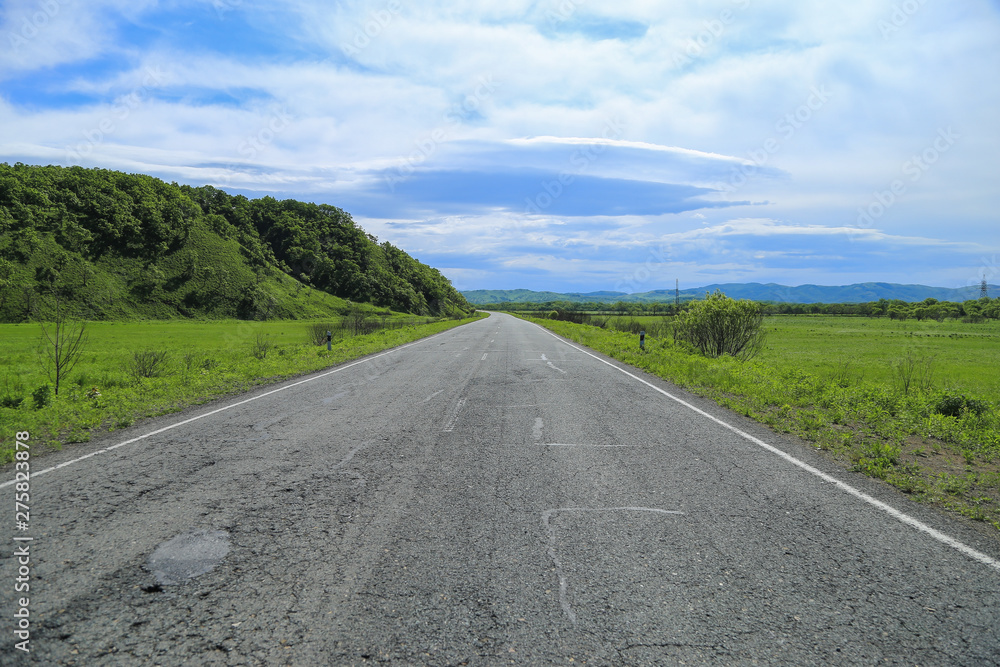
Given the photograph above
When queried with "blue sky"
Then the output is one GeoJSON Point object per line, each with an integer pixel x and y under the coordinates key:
{"type": "Point", "coordinates": [563, 145]}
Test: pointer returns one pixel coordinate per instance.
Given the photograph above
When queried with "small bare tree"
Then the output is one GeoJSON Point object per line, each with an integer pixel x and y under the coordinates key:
{"type": "Point", "coordinates": [63, 341]}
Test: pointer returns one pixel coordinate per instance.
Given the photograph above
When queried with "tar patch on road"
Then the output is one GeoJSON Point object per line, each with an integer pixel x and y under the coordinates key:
{"type": "Point", "coordinates": [188, 555]}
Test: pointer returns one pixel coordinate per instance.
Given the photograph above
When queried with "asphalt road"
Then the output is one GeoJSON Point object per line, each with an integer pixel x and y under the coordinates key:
{"type": "Point", "coordinates": [491, 495]}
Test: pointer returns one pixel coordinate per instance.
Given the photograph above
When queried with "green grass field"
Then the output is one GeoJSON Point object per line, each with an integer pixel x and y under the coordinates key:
{"type": "Point", "coordinates": [962, 356]}
{"type": "Point", "coordinates": [836, 381]}
{"type": "Point", "coordinates": [204, 360]}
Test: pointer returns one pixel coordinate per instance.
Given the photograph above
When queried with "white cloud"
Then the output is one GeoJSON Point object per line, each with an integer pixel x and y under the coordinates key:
{"type": "Point", "coordinates": [38, 34]}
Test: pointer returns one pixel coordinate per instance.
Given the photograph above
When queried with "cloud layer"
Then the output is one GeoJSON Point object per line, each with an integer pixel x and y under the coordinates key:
{"type": "Point", "coordinates": [553, 144]}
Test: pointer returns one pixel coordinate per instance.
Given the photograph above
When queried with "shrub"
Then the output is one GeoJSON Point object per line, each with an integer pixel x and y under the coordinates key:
{"type": "Point", "coordinates": [359, 322]}
{"type": "Point", "coordinates": [570, 316]}
{"type": "Point", "coordinates": [914, 372]}
{"type": "Point", "coordinates": [42, 396]}
{"type": "Point", "coordinates": [9, 401]}
{"type": "Point", "coordinates": [576, 317]}
{"type": "Point", "coordinates": [720, 325]}
{"type": "Point", "coordinates": [317, 332]}
{"type": "Point", "coordinates": [147, 363]}
{"type": "Point", "coordinates": [260, 346]}
{"type": "Point", "coordinates": [12, 399]}
{"type": "Point", "coordinates": [631, 325]}
{"type": "Point", "coordinates": [953, 405]}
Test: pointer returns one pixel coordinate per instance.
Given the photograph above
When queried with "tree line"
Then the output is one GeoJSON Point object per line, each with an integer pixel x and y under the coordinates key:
{"type": "Point", "coordinates": [974, 310]}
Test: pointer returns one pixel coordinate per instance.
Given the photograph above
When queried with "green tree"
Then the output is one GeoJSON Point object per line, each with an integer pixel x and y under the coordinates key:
{"type": "Point", "coordinates": [973, 310]}
{"type": "Point", "coordinates": [720, 325]}
{"type": "Point", "coordinates": [899, 312]}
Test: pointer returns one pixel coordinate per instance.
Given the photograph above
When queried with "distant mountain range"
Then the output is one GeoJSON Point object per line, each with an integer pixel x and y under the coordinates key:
{"type": "Point", "coordinates": [858, 293]}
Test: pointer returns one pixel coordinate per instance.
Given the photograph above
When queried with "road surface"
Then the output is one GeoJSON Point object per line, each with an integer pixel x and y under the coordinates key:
{"type": "Point", "coordinates": [491, 495]}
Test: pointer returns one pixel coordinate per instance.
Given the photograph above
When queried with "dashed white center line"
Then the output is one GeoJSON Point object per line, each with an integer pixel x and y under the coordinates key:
{"type": "Point", "coordinates": [432, 395]}
{"type": "Point", "coordinates": [570, 444]}
{"type": "Point", "coordinates": [450, 426]}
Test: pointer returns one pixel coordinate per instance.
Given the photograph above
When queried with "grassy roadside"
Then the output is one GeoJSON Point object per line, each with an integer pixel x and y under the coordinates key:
{"type": "Point", "coordinates": [940, 446]}
{"type": "Point", "coordinates": [202, 361]}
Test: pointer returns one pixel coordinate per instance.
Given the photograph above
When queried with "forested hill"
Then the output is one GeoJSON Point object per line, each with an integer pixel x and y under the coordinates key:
{"type": "Point", "coordinates": [118, 245]}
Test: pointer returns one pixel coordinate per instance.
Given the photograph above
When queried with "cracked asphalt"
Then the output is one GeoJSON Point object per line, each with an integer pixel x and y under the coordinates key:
{"type": "Point", "coordinates": [487, 496]}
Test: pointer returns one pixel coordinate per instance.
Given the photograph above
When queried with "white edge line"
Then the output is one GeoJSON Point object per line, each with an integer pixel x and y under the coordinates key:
{"type": "Point", "coordinates": [226, 407]}
{"type": "Point", "coordinates": [888, 509]}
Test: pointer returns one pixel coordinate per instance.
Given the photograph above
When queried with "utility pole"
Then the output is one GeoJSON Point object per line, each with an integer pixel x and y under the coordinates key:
{"type": "Point", "coordinates": [677, 296]}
